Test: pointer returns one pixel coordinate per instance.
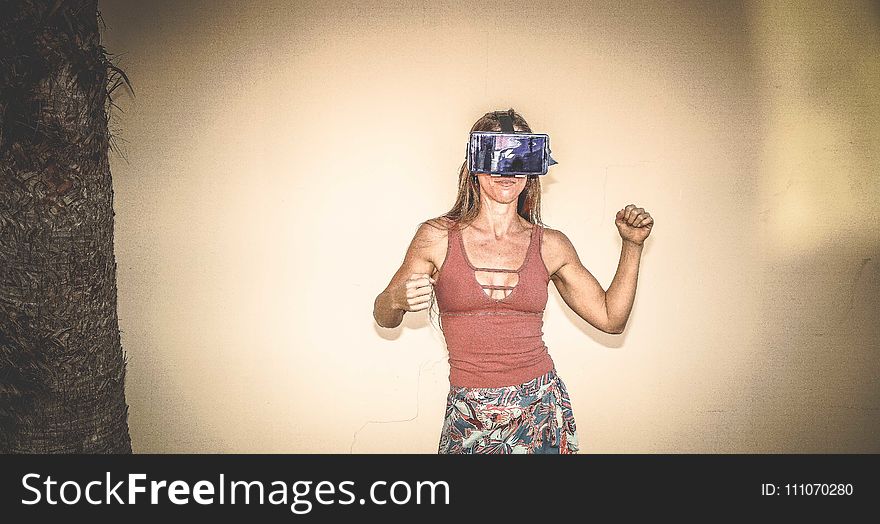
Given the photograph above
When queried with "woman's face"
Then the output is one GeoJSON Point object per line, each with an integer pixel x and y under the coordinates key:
{"type": "Point", "coordinates": [501, 189]}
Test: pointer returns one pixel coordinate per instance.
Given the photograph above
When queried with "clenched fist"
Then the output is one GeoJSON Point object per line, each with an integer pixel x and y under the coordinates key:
{"type": "Point", "coordinates": [634, 224]}
{"type": "Point", "coordinates": [414, 294]}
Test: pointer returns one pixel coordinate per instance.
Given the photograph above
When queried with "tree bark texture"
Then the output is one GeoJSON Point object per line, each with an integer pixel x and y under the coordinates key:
{"type": "Point", "coordinates": [62, 365]}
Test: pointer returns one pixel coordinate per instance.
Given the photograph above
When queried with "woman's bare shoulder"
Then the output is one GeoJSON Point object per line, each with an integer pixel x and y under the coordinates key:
{"type": "Point", "coordinates": [439, 223]}
{"type": "Point", "coordinates": [432, 233]}
{"type": "Point", "coordinates": [554, 237]}
{"type": "Point", "coordinates": [557, 249]}
{"type": "Point", "coordinates": [435, 228]}
{"type": "Point", "coordinates": [432, 237]}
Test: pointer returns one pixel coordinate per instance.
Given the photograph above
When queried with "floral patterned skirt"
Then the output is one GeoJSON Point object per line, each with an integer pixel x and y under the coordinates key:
{"type": "Point", "coordinates": [533, 417]}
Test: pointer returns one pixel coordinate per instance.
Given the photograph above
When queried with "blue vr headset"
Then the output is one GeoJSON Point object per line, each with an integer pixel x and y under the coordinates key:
{"type": "Point", "coordinates": [508, 152]}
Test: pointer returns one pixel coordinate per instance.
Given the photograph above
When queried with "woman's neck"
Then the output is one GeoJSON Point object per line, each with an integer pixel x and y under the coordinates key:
{"type": "Point", "coordinates": [499, 220]}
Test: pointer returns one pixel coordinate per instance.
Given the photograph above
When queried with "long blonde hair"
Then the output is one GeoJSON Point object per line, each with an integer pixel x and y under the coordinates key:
{"type": "Point", "coordinates": [467, 202]}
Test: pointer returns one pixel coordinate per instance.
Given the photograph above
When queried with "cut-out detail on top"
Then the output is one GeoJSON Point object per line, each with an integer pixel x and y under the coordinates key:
{"type": "Point", "coordinates": [495, 269]}
{"type": "Point", "coordinates": [498, 287]}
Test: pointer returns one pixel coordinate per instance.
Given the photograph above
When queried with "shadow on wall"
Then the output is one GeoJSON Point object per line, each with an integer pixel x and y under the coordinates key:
{"type": "Point", "coordinates": [814, 391]}
{"type": "Point", "coordinates": [815, 388]}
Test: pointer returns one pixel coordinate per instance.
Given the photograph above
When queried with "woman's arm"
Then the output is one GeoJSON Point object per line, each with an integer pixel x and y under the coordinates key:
{"type": "Point", "coordinates": [609, 310]}
{"type": "Point", "coordinates": [622, 292]}
{"type": "Point", "coordinates": [578, 287]}
{"type": "Point", "coordinates": [411, 286]}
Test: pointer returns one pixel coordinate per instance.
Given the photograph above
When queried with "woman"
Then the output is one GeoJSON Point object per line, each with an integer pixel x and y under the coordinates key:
{"type": "Point", "coordinates": [489, 261]}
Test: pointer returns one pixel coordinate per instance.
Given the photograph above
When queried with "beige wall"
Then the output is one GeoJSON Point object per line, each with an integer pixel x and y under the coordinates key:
{"type": "Point", "coordinates": [252, 236]}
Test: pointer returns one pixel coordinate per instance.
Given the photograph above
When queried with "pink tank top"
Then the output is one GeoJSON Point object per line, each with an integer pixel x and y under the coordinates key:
{"type": "Point", "coordinates": [493, 342]}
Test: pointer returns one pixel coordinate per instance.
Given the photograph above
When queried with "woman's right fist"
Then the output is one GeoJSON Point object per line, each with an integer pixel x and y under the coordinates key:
{"type": "Point", "coordinates": [414, 294]}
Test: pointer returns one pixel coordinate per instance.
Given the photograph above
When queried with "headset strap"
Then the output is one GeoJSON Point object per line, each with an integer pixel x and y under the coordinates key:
{"type": "Point", "coordinates": [506, 121]}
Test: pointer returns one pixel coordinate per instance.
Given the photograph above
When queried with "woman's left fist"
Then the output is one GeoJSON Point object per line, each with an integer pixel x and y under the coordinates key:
{"type": "Point", "coordinates": [634, 224]}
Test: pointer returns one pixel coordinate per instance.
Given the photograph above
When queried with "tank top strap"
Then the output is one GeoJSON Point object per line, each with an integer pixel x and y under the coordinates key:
{"type": "Point", "coordinates": [453, 242]}
{"type": "Point", "coordinates": [533, 262]}
{"type": "Point", "coordinates": [536, 238]}
{"type": "Point", "coordinates": [534, 245]}
{"type": "Point", "coordinates": [454, 231]}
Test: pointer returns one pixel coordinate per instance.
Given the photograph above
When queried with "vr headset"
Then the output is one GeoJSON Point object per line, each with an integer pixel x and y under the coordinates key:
{"type": "Point", "coordinates": [508, 152]}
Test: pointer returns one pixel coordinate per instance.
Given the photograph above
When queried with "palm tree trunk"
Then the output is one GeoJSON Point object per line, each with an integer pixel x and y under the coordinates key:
{"type": "Point", "coordinates": [62, 366]}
